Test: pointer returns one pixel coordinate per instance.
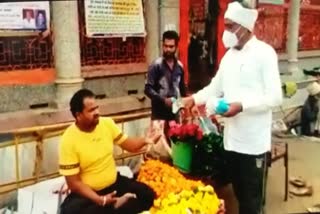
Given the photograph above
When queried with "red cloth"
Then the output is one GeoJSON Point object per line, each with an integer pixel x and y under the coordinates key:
{"type": "Point", "coordinates": [184, 37]}
{"type": "Point", "coordinates": [184, 34]}
{"type": "Point", "coordinates": [221, 49]}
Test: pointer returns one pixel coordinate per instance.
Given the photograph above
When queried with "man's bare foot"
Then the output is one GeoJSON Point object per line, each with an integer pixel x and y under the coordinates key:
{"type": "Point", "coordinates": [123, 199]}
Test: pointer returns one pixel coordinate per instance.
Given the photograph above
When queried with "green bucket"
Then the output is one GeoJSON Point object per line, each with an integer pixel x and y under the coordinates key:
{"type": "Point", "coordinates": [182, 156]}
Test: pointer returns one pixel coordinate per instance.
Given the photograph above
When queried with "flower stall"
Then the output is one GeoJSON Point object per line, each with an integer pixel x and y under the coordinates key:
{"type": "Point", "coordinates": [197, 148]}
{"type": "Point", "coordinates": [196, 152]}
{"type": "Point", "coordinates": [175, 193]}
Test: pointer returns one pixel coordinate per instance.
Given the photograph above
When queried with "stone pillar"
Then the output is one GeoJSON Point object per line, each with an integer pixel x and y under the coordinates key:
{"type": "Point", "coordinates": [152, 28]}
{"type": "Point", "coordinates": [169, 16]}
{"type": "Point", "coordinates": [67, 59]}
{"type": "Point", "coordinates": [293, 36]}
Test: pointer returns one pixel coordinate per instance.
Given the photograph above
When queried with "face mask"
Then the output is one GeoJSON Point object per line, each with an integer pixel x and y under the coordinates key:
{"type": "Point", "coordinates": [229, 39]}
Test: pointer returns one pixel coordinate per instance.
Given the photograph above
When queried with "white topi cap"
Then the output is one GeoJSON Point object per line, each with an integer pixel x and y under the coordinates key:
{"type": "Point", "coordinates": [242, 16]}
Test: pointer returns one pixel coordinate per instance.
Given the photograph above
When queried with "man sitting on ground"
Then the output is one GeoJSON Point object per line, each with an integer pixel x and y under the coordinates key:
{"type": "Point", "coordinates": [86, 160]}
{"type": "Point", "coordinates": [310, 111]}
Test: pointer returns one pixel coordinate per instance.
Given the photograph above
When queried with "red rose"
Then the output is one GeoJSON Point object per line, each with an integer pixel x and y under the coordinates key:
{"type": "Point", "coordinates": [189, 130]}
{"type": "Point", "coordinates": [199, 135]}
{"type": "Point", "coordinates": [184, 132]}
{"type": "Point", "coordinates": [179, 131]}
{"type": "Point", "coordinates": [172, 123]}
{"type": "Point", "coordinates": [195, 128]}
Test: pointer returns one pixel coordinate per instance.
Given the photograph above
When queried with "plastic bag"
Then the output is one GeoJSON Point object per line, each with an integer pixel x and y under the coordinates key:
{"type": "Point", "coordinates": [161, 149]}
{"type": "Point", "coordinates": [207, 126]}
{"type": "Point", "coordinates": [216, 106]}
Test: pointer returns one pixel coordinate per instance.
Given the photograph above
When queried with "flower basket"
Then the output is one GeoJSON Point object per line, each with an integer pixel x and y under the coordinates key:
{"type": "Point", "coordinates": [182, 155]}
{"type": "Point", "coordinates": [183, 138]}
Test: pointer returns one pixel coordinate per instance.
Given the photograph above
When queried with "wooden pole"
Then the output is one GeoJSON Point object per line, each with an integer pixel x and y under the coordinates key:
{"type": "Point", "coordinates": [16, 143]}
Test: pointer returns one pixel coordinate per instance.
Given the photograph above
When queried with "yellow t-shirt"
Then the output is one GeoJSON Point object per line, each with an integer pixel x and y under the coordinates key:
{"type": "Point", "coordinates": [91, 154]}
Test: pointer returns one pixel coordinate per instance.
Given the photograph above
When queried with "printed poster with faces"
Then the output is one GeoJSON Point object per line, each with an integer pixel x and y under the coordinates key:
{"type": "Point", "coordinates": [25, 15]}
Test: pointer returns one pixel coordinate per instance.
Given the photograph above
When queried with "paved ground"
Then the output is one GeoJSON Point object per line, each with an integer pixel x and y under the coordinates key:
{"type": "Point", "coordinates": [304, 160]}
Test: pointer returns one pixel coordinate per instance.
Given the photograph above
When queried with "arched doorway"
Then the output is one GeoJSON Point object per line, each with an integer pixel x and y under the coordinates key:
{"type": "Point", "coordinates": [201, 48]}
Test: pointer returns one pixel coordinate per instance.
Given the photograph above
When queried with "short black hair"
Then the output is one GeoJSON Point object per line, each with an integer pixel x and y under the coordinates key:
{"type": "Point", "coordinates": [76, 102]}
{"type": "Point", "coordinates": [171, 34]}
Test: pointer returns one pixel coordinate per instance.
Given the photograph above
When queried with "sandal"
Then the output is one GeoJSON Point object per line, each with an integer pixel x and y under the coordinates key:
{"type": "Point", "coordinates": [297, 182]}
{"type": "Point", "coordinates": [303, 191]}
{"type": "Point", "coordinates": [314, 209]}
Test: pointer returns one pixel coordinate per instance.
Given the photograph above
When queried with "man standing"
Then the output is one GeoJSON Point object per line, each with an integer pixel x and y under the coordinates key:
{"type": "Point", "coordinates": [86, 160]}
{"type": "Point", "coordinates": [310, 111]}
{"type": "Point", "coordinates": [165, 79]}
{"type": "Point", "coordinates": [248, 79]}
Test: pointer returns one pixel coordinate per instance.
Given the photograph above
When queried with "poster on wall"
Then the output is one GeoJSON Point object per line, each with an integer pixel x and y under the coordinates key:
{"type": "Point", "coordinates": [114, 18]}
{"type": "Point", "coordinates": [25, 15]}
{"type": "Point", "coordinates": [276, 2]}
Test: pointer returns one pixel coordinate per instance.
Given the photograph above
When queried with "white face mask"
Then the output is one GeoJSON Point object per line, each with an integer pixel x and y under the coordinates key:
{"type": "Point", "coordinates": [229, 39]}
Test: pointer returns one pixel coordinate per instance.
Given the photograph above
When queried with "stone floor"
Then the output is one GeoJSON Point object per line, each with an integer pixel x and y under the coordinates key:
{"type": "Point", "coordinates": [303, 161]}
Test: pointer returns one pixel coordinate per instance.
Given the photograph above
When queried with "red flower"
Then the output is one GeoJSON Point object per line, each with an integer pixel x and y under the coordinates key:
{"type": "Point", "coordinates": [192, 129]}
{"type": "Point", "coordinates": [184, 132]}
{"type": "Point", "coordinates": [199, 135]}
{"type": "Point", "coordinates": [188, 132]}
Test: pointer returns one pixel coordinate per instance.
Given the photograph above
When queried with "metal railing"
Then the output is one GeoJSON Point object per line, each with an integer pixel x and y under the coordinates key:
{"type": "Point", "coordinates": [37, 135]}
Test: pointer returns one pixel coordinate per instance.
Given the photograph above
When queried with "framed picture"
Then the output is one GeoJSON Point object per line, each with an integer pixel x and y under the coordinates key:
{"type": "Point", "coordinates": [24, 16]}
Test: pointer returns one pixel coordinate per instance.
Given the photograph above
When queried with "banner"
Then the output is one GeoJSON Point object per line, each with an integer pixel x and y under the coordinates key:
{"type": "Point", "coordinates": [25, 15]}
{"type": "Point", "coordinates": [277, 2]}
{"type": "Point", "coordinates": [114, 18]}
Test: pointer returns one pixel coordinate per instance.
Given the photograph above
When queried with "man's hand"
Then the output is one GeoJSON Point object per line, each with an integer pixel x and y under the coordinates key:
{"type": "Point", "coordinates": [107, 199]}
{"type": "Point", "coordinates": [137, 144]}
{"type": "Point", "coordinates": [152, 136]}
{"type": "Point", "coordinates": [168, 102]}
{"type": "Point", "coordinates": [234, 109]}
{"type": "Point", "coordinates": [222, 208]}
{"type": "Point", "coordinates": [195, 111]}
{"type": "Point", "coordinates": [123, 199]}
{"type": "Point", "coordinates": [63, 190]}
{"type": "Point", "coordinates": [188, 102]}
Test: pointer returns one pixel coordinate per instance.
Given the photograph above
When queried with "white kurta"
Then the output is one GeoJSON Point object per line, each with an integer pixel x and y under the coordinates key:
{"type": "Point", "coordinates": [249, 76]}
{"type": "Point", "coordinates": [29, 24]}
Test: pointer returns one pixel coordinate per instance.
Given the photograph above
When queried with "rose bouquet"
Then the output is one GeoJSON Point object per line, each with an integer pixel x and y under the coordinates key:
{"type": "Point", "coordinates": [186, 133]}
